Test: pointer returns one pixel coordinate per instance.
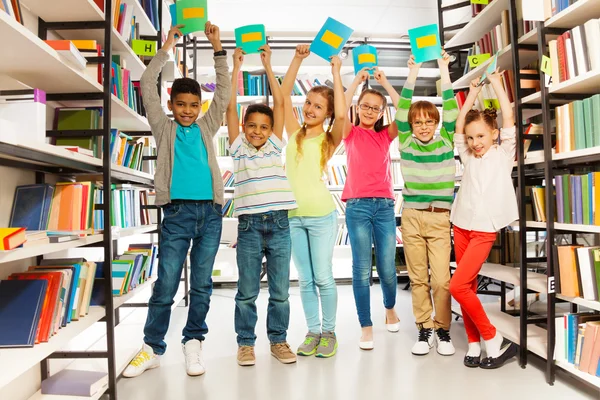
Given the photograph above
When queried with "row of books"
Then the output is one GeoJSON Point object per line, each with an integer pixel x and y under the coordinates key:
{"type": "Point", "coordinates": [12, 8]}
{"type": "Point", "coordinates": [578, 341]}
{"type": "Point", "coordinates": [228, 208]}
{"type": "Point", "coordinates": [39, 302]}
{"type": "Point", "coordinates": [228, 178]}
{"type": "Point", "coordinates": [251, 85]}
{"type": "Point", "coordinates": [578, 124]}
{"type": "Point", "coordinates": [303, 85]}
{"type": "Point", "coordinates": [337, 174]}
{"type": "Point", "coordinates": [575, 52]}
{"type": "Point", "coordinates": [578, 272]}
{"type": "Point", "coordinates": [124, 88]}
{"type": "Point", "coordinates": [576, 198]}
{"type": "Point", "coordinates": [222, 146]}
{"type": "Point", "coordinates": [127, 207]}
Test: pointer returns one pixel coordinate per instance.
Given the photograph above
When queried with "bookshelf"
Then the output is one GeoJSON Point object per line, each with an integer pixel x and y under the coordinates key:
{"type": "Point", "coordinates": [537, 334]}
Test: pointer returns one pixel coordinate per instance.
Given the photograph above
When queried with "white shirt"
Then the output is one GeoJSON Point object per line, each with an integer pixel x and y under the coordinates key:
{"type": "Point", "coordinates": [486, 200]}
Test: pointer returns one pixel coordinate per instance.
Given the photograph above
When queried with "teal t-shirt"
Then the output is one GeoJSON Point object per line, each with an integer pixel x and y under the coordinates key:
{"type": "Point", "coordinates": [191, 179]}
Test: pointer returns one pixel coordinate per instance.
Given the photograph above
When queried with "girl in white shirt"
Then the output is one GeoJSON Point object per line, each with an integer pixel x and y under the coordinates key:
{"type": "Point", "coordinates": [486, 202]}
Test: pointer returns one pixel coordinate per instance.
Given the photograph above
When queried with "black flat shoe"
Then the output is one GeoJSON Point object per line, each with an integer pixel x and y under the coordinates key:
{"type": "Point", "coordinates": [493, 363]}
{"type": "Point", "coordinates": [472, 362]}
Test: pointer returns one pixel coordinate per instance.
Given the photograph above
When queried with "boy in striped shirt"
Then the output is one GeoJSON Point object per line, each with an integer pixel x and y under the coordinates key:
{"type": "Point", "coordinates": [262, 199]}
{"type": "Point", "coordinates": [428, 169]}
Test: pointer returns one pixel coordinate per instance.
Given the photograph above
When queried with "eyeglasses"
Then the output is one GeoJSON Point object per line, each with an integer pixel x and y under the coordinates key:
{"type": "Point", "coordinates": [418, 124]}
{"type": "Point", "coordinates": [365, 107]}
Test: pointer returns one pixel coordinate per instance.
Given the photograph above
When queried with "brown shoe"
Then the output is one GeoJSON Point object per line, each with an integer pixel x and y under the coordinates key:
{"type": "Point", "coordinates": [245, 356]}
{"type": "Point", "coordinates": [283, 353]}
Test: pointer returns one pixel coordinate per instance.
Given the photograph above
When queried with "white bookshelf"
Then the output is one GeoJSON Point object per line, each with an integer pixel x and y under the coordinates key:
{"type": "Point", "coordinates": [587, 83]}
{"type": "Point", "coordinates": [576, 14]}
{"type": "Point", "coordinates": [479, 25]}
{"type": "Point", "coordinates": [504, 273]}
{"type": "Point", "coordinates": [591, 304]}
{"type": "Point", "coordinates": [65, 10]}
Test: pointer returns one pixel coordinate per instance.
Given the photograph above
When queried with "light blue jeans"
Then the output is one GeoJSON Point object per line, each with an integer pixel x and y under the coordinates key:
{"type": "Point", "coordinates": [313, 239]}
{"type": "Point", "coordinates": [372, 221]}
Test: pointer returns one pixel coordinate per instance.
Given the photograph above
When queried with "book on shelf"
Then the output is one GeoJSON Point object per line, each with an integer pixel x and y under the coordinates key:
{"type": "Point", "coordinates": [31, 205]}
{"type": "Point", "coordinates": [13, 8]}
{"type": "Point", "coordinates": [578, 341]}
{"type": "Point", "coordinates": [221, 146]}
{"type": "Point", "coordinates": [21, 304]}
{"type": "Point", "coordinates": [11, 238]}
{"type": "Point", "coordinates": [578, 271]}
{"type": "Point", "coordinates": [577, 197]}
{"type": "Point", "coordinates": [578, 124]}
{"type": "Point", "coordinates": [126, 206]}
{"type": "Point", "coordinates": [23, 115]}
{"type": "Point", "coordinates": [69, 53]}
{"type": "Point", "coordinates": [538, 200]}
{"type": "Point", "coordinates": [71, 382]}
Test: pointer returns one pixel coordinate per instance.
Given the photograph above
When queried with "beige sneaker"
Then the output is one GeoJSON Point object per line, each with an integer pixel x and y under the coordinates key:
{"type": "Point", "coordinates": [246, 356]}
{"type": "Point", "coordinates": [283, 353]}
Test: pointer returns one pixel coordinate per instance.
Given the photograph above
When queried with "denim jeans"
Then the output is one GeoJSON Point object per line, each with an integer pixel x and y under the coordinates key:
{"type": "Point", "coordinates": [199, 222]}
{"type": "Point", "coordinates": [313, 239]}
{"type": "Point", "coordinates": [372, 220]}
{"type": "Point", "coordinates": [263, 235]}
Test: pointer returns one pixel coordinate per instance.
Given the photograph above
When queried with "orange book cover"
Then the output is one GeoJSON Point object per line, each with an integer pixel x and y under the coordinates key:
{"type": "Point", "coordinates": [589, 339]}
{"type": "Point", "coordinates": [55, 208]}
{"type": "Point", "coordinates": [59, 44]}
{"type": "Point", "coordinates": [65, 216]}
{"type": "Point", "coordinates": [567, 264]}
{"type": "Point", "coordinates": [11, 238]}
{"type": "Point", "coordinates": [77, 207]}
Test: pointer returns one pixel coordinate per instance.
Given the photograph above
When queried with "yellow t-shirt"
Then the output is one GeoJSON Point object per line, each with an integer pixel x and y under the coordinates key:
{"type": "Point", "coordinates": [305, 177]}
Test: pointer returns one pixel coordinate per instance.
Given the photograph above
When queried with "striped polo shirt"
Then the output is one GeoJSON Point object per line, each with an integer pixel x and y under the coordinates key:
{"type": "Point", "coordinates": [260, 182]}
{"type": "Point", "coordinates": [428, 169]}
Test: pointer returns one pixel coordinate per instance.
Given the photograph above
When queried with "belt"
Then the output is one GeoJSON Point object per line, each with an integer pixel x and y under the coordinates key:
{"type": "Point", "coordinates": [435, 209]}
{"type": "Point", "coordinates": [185, 201]}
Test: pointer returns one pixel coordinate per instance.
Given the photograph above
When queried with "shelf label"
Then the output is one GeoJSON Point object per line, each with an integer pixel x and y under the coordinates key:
{"type": "Point", "coordinates": [480, 1]}
{"type": "Point", "coordinates": [491, 103]}
{"type": "Point", "coordinates": [478, 59]}
{"type": "Point", "coordinates": [546, 65]}
{"type": "Point", "coordinates": [551, 285]}
{"type": "Point", "coordinates": [144, 47]}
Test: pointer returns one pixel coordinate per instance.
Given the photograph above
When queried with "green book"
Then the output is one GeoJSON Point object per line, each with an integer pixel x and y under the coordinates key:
{"type": "Point", "coordinates": [579, 125]}
{"type": "Point", "coordinates": [595, 121]}
{"type": "Point", "coordinates": [77, 119]}
{"type": "Point", "coordinates": [587, 119]}
{"type": "Point", "coordinates": [246, 77]}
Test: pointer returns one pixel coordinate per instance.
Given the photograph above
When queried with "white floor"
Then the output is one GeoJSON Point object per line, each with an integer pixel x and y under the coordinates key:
{"type": "Point", "coordinates": [388, 371]}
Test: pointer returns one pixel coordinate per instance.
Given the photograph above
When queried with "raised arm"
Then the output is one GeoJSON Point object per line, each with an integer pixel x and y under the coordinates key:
{"type": "Point", "coordinates": [214, 115]}
{"type": "Point", "coordinates": [449, 104]}
{"type": "Point", "coordinates": [361, 77]}
{"type": "Point", "coordinates": [339, 101]}
{"type": "Point", "coordinates": [233, 121]}
{"type": "Point", "coordinates": [460, 140]}
{"type": "Point", "coordinates": [278, 107]}
{"type": "Point", "coordinates": [154, 111]}
{"type": "Point", "coordinates": [383, 81]}
{"type": "Point", "coordinates": [291, 123]}
{"type": "Point", "coordinates": [404, 129]}
{"type": "Point", "coordinates": [508, 140]}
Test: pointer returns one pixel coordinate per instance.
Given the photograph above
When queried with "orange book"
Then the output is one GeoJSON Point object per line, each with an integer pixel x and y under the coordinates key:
{"type": "Point", "coordinates": [59, 44]}
{"type": "Point", "coordinates": [55, 208]}
{"type": "Point", "coordinates": [591, 336]}
{"type": "Point", "coordinates": [11, 238]}
{"type": "Point", "coordinates": [65, 215]}
{"type": "Point", "coordinates": [567, 264]}
{"type": "Point", "coordinates": [595, 357]}
{"type": "Point", "coordinates": [77, 207]}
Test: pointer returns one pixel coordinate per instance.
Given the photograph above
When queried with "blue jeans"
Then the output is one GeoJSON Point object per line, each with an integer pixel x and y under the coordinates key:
{"type": "Point", "coordinates": [199, 222]}
{"type": "Point", "coordinates": [263, 235]}
{"type": "Point", "coordinates": [372, 220]}
{"type": "Point", "coordinates": [313, 239]}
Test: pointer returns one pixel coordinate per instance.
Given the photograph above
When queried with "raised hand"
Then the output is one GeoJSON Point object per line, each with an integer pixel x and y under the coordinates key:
{"type": "Point", "coordinates": [475, 85]}
{"type": "Point", "coordinates": [265, 55]}
{"type": "Point", "coordinates": [445, 60]}
{"type": "Point", "coordinates": [238, 58]}
{"type": "Point", "coordinates": [336, 64]}
{"type": "Point", "coordinates": [412, 64]}
{"type": "Point", "coordinates": [171, 37]}
{"type": "Point", "coordinates": [495, 77]}
{"type": "Point", "coordinates": [302, 51]}
{"type": "Point", "coordinates": [362, 75]}
{"type": "Point", "coordinates": [213, 35]}
{"type": "Point", "coordinates": [380, 76]}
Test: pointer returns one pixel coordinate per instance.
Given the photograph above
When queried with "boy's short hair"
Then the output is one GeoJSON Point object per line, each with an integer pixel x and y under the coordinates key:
{"type": "Point", "coordinates": [423, 107]}
{"type": "Point", "coordinates": [185, 85]}
{"type": "Point", "coordinates": [261, 109]}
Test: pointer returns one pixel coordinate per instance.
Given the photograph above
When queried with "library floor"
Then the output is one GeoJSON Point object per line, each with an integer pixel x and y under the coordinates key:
{"type": "Point", "coordinates": [389, 371]}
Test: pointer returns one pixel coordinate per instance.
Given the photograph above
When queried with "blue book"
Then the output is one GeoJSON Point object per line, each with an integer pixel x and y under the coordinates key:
{"type": "Point", "coordinates": [571, 337]}
{"type": "Point", "coordinates": [21, 303]}
{"type": "Point", "coordinates": [425, 43]}
{"type": "Point", "coordinates": [331, 39]}
{"type": "Point", "coordinates": [31, 206]}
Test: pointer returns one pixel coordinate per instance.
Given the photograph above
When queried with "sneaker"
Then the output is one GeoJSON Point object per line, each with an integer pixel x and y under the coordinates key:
{"type": "Point", "coordinates": [327, 345]}
{"type": "Point", "coordinates": [144, 360]}
{"type": "Point", "coordinates": [309, 346]}
{"type": "Point", "coordinates": [424, 343]}
{"type": "Point", "coordinates": [246, 356]}
{"type": "Point", "coordinates": [192, 350]}
{"type": "Point", "coordinates": [443, 342]}
{"type": "Point", "coordinates": [283, 353]}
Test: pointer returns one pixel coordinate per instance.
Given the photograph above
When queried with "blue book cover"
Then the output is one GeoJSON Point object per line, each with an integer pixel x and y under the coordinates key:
{"type": "Point", "coordinates": [31, 206]}
{"type": "Point", "coordinates": [364, 56]}
{"type": "Point", "coordinates": [331, 39]}
{"type": "Point", "coordinates": [425, 43]}
{"type": "Point", "coordinates": [21, 304]}
{"type": "Point", "coordinates": [250, 38]}
{"type": "Point", "coordinates": [571, 337]}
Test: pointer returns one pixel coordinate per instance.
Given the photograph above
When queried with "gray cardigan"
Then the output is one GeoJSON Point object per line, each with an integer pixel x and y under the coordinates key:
{"type": "Point", "coordinates": [164, 129]}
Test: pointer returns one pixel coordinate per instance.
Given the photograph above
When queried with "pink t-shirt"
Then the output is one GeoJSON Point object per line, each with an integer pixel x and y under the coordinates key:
{"type": "Point", "coordinates": [368, 160]}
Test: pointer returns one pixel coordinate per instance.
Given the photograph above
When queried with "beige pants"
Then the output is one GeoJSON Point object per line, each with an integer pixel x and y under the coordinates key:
{"type": "Point", "coordinates": [426, 238]}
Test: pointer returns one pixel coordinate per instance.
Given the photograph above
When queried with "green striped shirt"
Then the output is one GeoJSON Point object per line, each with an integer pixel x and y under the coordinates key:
{"type": "Point", "coordinates": [428, 169]}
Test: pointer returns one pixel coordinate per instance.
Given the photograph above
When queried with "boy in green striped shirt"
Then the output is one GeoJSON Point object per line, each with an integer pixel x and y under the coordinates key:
{"type": "Point", "coordinates": [428, 169]}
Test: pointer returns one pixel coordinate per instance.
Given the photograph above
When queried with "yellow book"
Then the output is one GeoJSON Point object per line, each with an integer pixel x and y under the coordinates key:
{"type": "Point", "coordinates": [85, 44]}
{"type": "Point", "coordinates": [11, 238]}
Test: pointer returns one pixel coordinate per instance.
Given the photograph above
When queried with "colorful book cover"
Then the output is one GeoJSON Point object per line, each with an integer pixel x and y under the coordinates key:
{"type": "Point", "coordinates": [250, 38]}
{"type": "Point", "coordinates": [364, 56]}
{"type": "Point", "coordinates": [425, 43]}
{"type": "Point", "coordinates": [331, 39]}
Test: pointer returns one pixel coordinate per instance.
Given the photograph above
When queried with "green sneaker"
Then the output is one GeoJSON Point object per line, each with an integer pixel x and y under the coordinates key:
{"type": "Point", "coordinates": [309, 346]}
{"type": "Point", "coordinates": [327, 345]}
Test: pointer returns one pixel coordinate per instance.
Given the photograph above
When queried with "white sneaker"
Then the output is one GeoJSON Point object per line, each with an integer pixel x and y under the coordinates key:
{"type": "Point", "coordinates": [424, 343]}
{"type": "Point", "coordinates": [443, 342]}
{"type": "Point", "coordinates": [192, 350]}
{"type": "Point", "coordinates": [145, 359]}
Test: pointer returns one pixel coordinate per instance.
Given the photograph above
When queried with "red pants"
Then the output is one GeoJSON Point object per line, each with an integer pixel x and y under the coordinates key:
{"type": "Point", "coordinates": [472, 249]}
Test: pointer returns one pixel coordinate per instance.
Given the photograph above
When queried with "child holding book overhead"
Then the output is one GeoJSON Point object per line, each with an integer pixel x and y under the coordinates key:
{"type": "Point", "coordinates": [262, 200]}
{"type": "Point", "coordinates": [428, 169]}
{"type": "Point", "coordinates": [189, 189]}
{"type": "Point", "coordinates": [313, 224]}
{"type": "Point", "coordinates": [369, 197]}
{"type": "Point", "coordinates": [486, 202]}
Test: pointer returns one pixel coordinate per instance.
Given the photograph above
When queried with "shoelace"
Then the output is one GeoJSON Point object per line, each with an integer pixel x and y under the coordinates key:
{"type": "Point", "coordinates": [324, 342]}
{"type": "Point", "coordinates": [443, 335]}
{"type": "Point", "coordinates": [424, 335]}
{"type": "Point", "coordinates": [308, 340]}
{"type": "Point", "coordinates": [245, 350]}
{"type": "Point", "coordinates": [140, 359]}
{"type": "Point", "coordinates": [283, 347]}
